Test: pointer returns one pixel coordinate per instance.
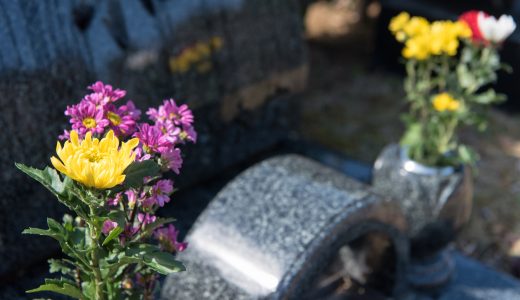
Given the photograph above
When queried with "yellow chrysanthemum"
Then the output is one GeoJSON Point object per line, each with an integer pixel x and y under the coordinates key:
{"type": "Point", "coordinates": [398, 22]}
{"type": "Point", "coordinates": [92, 162]}
{"type": "Point", "coordinates": [416, 26]}
{"type": "Point", "coordinates": [463, 29]}
{"type": "Point", "coordinates": [445, 102]}
{"type": "Point", "coordinates": [417, 48]}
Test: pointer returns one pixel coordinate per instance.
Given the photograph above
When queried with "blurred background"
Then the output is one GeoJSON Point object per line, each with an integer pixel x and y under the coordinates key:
{"type": "Point", "coordinates": [274, 77]}
{"type": "Point", "coordinates": [355, 97]}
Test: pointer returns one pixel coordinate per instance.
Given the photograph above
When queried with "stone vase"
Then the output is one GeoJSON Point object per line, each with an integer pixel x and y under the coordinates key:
{"type": "Point", "coordinates": [436, 201]}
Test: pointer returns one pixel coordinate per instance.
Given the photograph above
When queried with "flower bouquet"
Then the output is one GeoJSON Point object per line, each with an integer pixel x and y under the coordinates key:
{"type": "Point", "coordinates": [109, 173]}
{"type": "Point", "coordinates": [449, 67]}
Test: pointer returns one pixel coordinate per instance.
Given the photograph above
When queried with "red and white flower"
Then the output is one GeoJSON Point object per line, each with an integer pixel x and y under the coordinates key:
{"type": "Point", "coordinates": [487, 29]}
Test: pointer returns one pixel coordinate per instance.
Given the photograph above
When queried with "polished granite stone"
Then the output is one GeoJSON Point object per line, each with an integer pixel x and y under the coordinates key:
{"type": "Point", "coordinates": [270, 231]}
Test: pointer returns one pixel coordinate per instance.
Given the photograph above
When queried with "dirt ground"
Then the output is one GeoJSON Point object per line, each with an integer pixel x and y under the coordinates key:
{"type": "Point", "coordinates": [354, 108]}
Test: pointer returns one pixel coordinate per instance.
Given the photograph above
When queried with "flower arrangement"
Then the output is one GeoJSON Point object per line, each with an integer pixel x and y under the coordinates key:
{"type": "Point", "coordinates": [111, 177]}
{"type": "Point", "coordinates": [449, 66]}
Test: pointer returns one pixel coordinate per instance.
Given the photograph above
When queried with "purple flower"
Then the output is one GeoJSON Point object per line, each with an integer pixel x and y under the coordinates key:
{"type": "Point", "coordinates": [146, 219]}
{"type": "Point", "coordinates": [128, 233]}
{"type": "Point", "coordinates": [170, 112]}
{"type": "Point", "coordinates": [123, 119]}
{"type": "Point", "coordinates": [188, 134]}
{"type": "Point", "coordinates": [86, 117]}
{"type": "Point", "coordinates": [104, 93]}
{"type": "Point", "coordinates": [167, 237]}
{"type": "Point", "coordinates": [152, 139]}
{"type": "Point", "coordinates": [161, 192]}
{"type": "Point", "coordinates": [132, 198]}
{"type": "Point", "coordinates": [108, 225]}
{"type": "Point", "coordinates": [172, 160]}
{"type": "Point", "coordinates": [65, 135]}
{"type": "Point", "coordinates": [171, 132]}
{"type": "Point", "coordinates": [115, 201]}
{"type": "Point", "coordinates": [140, 155]}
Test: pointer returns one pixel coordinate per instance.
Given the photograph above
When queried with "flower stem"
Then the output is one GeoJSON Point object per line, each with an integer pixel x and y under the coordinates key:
{"type": "Point", "coordinates": [98, 278]}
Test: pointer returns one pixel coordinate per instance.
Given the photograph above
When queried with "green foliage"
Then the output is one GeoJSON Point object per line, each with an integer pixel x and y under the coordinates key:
{"type": "Point", "coordinates": [139, 170]}
{"type": "Point", "coordinates": [60, 287]}
{"type": "Point", "coordinates": [96, 265]}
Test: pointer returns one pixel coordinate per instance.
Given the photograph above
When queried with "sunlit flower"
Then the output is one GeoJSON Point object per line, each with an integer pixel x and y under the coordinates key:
{"type": "Point", "coordinates": [153, 140]}
{"type": "Point", "coordinates": [171, 112]}
{"type": "Point", "coordinates": [161, 192]}
{"type": "Point", "coordinates": [106, 92]}
{"type": "Point", "coordinates": [416, 26]}
{"type": "Point", "coordinates": [86, 117]}
{"type": "Point", "coordinates": [445, 102]}
{"type": "Point", "coordinates": [92, 162]}
{"type": "Point", "coordinates": [188, 134]}
{"type": "Point", "coordinates": [398, 22]}
{"type": "Point", "coordinates": [167, 237]}
{"type": "Point", "coordinates": [172, 160]}
{"type": "Point", "coordinates": [123, 119]}
{"type": "Point", "coordinates": [417, 48]}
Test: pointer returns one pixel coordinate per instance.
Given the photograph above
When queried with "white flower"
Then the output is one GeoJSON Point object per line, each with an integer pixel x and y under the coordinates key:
{"type": "Point", "coordinates": [493, 30]}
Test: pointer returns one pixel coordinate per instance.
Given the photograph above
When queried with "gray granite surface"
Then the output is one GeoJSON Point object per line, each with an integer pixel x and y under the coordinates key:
{"type": "Point", "coordinates": [271, 230]}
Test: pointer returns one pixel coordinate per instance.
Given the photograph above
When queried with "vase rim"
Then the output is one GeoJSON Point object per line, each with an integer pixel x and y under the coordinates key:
{"type": "Point", "coordinates": [415, 167]}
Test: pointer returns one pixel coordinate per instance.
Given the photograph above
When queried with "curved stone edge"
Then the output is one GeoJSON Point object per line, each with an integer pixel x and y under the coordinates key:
{"type": "Point", "coordinates": [325, 246]}
{"type": "Point", "coordinates": [363, 209]}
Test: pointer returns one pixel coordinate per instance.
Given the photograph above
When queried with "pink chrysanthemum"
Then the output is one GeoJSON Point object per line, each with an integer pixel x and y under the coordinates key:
{"type": "Point", "coordinates": [170, 112]}
{"type": "Point", "coordinates": [152, 139]}
{"type": "Point", "coordinates": [188, 133]}
{"type": "Point", "coordinates": [108, 225]}
{"type": "Point", "coordinates": [161, 192]}
{"type": "Point", "coordinates": [172, 160]}
{"type": "Point", "coordinates": [167, 237]}
{"type": "Point", "coordinates": [123, 119]}
{"type": "Point", "coordinates": [86, 117]}
{"type": "Point", "coordinates": [105, 93]}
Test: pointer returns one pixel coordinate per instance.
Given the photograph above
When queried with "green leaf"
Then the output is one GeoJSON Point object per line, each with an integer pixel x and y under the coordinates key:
{"type": "Point", "coordinates": [48, 177]}
{"type": "Point", "coordinates": [163, 263]}
{"type": "Point", "coordinates": [63, 288]}
{"type": "Point", "coordinates": [112, 235]}
{"type": "Point", "coordinates": [138, 170]}
{"type": "Point", "coordinates": [49, 233]}
{"type": "Point", "coordinates": [488, 97]}
{"type": "Point", "coordinates": [54, 226]}
{"type": "Point", "coordinates": [89, 288]}
{"type": "Point", "coordinates": [57, 265]}
{"type": "Point", "coordinates": [413, 134]}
